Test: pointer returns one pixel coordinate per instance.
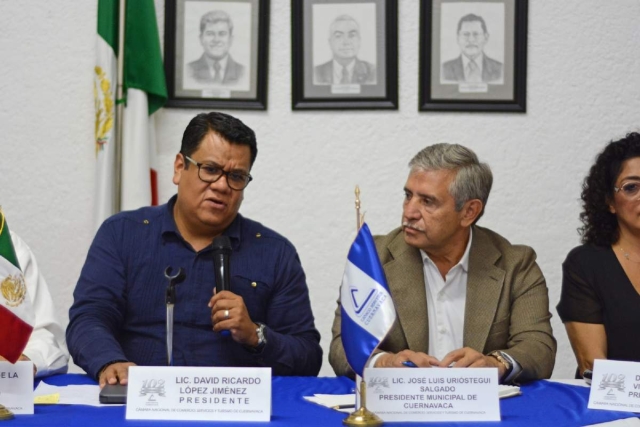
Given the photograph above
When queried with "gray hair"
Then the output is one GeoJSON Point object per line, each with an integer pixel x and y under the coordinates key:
{"type": "Point", "coordinates": [473, 179]}
{"type": "Point", "coordinates": [342, 18]}
{"type": "Point", "coordinates": [215, 16]}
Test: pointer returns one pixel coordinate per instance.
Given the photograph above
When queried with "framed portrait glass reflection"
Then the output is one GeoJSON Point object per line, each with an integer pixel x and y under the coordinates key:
{"type": "Point", "coordinates": [344, 54]}
{"type": "Point", "coordinates": [473, 55]}
{"type": "Point", "coordinates": [216, 53]}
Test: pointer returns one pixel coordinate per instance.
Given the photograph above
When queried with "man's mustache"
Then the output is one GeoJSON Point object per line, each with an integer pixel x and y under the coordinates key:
{"type": "Point", "coordinates": [414, 225]}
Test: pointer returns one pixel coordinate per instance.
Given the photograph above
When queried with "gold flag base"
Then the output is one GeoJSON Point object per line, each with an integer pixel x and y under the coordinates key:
{"type": "Point", "coordinates": [5, 414]}
{"type": "Point", "coordinates": [363, 416]}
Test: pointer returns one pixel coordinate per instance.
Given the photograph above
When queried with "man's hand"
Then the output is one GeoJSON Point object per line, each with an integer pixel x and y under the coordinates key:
{"type": "Point", "coordinates": [114, 373]}
{"type": "Point", "coordinates": [469, 358]}
{"type": "Point", "coordinates": [228, 312]}
{"type": "Point", "coordinates": [395, 360]}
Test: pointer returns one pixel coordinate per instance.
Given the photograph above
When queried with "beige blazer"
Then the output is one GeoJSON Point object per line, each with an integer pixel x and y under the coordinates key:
{"type": "Point", "coordinates": [507, 306]}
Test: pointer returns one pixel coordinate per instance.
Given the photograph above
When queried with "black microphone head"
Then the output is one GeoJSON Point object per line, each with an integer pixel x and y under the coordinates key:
{"type": "Point", "coordinates": [221, 244]}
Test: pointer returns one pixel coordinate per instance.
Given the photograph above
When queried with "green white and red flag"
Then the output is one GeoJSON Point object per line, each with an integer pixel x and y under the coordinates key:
{"type": "Point", "coordinates": [16, 313]}
{"type": "Point", "coordinates": [144, 92]}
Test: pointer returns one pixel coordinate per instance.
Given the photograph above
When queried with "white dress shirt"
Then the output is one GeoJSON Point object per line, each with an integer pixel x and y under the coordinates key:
{"type": "Point", "coordinates": [46, 347]}
{"type": "Point", "coordinates": [337, 71]}
{"type": "Point", "coordinates": [446, 299]}
{"type": "Point", "coordinates": [477, 75]}
{"type": "Point", "coordinates": [223, 66]}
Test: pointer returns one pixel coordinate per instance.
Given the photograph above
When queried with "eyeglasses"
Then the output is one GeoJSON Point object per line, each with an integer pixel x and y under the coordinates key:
{"type": "Point", "coordinates": [470, 34]}
{"type": "Point", "coordinates": [210, 173]}
{"type": "Point", "coordinates": [630, 190]}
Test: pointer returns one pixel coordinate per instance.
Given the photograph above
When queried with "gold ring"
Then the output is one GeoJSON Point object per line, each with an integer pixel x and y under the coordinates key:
{"type": "Point", "coordinates": [226, 314]}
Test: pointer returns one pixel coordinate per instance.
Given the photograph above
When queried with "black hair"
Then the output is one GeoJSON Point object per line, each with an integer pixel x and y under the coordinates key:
{"type": "Point", "coordinates": [226, 126]}
{"type": "Point", "coordinates": [600, 226]}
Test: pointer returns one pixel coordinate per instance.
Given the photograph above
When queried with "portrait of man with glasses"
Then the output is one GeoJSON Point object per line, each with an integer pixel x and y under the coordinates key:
{"type": "Point", "coordinates": [472, 65]}
{"type": "Point", "coordinates": [118, 316]}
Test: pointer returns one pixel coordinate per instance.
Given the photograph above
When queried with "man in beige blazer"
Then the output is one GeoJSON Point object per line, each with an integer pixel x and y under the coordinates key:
{"type": "Point", "coordinates": [464, 296]}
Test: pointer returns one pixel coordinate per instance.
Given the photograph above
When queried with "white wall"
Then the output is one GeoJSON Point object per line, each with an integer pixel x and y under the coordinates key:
{"type": "Point", "coordinates": [583, 90]}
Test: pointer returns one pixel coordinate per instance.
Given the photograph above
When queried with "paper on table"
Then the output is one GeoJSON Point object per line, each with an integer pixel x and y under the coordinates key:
{"type": "Point", "coordinates": [47, 399]}
{"type": "Point", "coordinates": [505, 391]}
{"type": "Point", "coordinates": [72, 394]}
{"type": "Point", "coordinates": [334, 400]}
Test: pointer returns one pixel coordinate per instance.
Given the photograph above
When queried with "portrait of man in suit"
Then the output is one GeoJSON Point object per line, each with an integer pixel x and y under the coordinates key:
{"type": "Point", "coordinates": [472, 65]}
{"type": "Point", "coordinates": [345, 67]}
{"type": "Point", "coordinates": [216, 66]}
{"type": "Point", "coordinates": [464, 295]}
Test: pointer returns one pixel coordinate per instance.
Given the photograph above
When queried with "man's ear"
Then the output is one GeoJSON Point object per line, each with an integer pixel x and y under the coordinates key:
{"type": "Point", "coordinates": [471, 210]}
{"type": "Point", "coordinates": [178, 167]}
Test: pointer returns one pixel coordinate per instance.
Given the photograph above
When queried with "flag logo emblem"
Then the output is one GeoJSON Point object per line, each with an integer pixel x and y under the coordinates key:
{"type": "Point", "coordinates": [104, 107]}
{"type": "Point", "coordinates": [14, 290]}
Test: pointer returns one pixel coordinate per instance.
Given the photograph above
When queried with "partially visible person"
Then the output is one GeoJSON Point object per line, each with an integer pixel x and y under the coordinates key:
{"type": "Point", "coordinates": [464, 295]}
{"type": "Point", "coordinates": [473, 65]}
{"type": "Point", "coordinates": [118, 317]}
{"type": "Point", "coordinates": [345, 67]}
{"type": "Point", "coordinates": [216, 65]}
{"type": "Point", "coordinates": [600, 300]}
{"type": "Point", "coordinates": [46, 347]}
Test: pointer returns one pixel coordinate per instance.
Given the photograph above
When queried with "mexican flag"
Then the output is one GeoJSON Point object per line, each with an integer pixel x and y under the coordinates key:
{"type": "Point", "coordinates": [16, 314]}
{"type": "Point", "coordinates": [144, 92]}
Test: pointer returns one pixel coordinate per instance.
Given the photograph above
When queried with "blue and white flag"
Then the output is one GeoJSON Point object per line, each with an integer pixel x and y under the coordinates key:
{"type": "Point", "coordinates": [367, 309]}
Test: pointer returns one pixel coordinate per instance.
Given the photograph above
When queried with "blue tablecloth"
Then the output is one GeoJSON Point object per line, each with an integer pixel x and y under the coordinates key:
{"type": "Point", "coordinates": [542, 403]}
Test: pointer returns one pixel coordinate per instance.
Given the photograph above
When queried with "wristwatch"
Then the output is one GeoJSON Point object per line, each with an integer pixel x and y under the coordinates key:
{"type": "Point", "coordinates": [504, 360]}
{"type": "Point", "coordinates": [262, 339]}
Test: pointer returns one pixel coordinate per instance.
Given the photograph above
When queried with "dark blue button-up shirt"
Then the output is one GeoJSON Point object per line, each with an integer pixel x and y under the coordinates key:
{"type": "Point", "coordinates": [119, 310]}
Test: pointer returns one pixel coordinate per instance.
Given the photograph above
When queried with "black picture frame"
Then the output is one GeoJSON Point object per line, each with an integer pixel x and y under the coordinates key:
{"type": "Point", "coordinates": [192, 80]}
{"type": "Point", "coordinates": [372, 83]}
{"type": "Point", "coordinates": [499, 85]}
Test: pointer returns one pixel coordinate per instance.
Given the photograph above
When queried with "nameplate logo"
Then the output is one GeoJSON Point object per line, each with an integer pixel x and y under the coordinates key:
{"type": "Point", "coordinates": [615, 386]}
{"type": "Point", "coordinates": [433, 394]}
{"type": "Point", "coordinates": [16, 387]}
{"type": "Point", "coordinates": [199, 393]}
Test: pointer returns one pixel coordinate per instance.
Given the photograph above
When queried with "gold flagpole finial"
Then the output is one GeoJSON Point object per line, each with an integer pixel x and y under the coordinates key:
{"type": "Point", "coordinates": [359, 217]}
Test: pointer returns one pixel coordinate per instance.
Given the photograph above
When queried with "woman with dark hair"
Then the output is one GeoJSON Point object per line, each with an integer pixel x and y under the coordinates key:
{"type": "Point", "coordinates": [600, 300]}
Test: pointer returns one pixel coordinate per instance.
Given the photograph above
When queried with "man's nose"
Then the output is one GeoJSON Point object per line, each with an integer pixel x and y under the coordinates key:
{"type": "Point", "coordinates": [410, 209]}
{"type": "Point", "coordinates": [221, 185]}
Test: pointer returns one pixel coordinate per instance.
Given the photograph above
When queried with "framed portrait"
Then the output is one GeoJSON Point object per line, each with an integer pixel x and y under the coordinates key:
{"type": "Point", "coordinates": [344, 54]}
{"type": "Point", "coordinates": [216, 53]}
{"type": "Point", "coordinates": [473, 55]}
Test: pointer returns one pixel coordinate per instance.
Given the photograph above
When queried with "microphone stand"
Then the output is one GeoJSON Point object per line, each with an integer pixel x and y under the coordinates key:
{"type": "Point", "coordinates": [170, 299]}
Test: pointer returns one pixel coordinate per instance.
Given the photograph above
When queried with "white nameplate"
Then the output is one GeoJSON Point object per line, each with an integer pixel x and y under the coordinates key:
{"type": "Point", "coordinates": [199, 393]}
{"type": "Point", "coordinates": [615, 386]}
{"type": "Point", "coordinates": [433, 394]}
{"type": "Point", "coordinates": [16, 387]}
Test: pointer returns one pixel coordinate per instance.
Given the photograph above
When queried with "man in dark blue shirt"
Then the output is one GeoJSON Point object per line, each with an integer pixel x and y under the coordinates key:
{"type": "Point", "coordinates": [119, 313]}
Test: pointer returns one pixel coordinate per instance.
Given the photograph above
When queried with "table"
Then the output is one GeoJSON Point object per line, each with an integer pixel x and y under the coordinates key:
{"type": "Point", "coordinates": [542, 403]}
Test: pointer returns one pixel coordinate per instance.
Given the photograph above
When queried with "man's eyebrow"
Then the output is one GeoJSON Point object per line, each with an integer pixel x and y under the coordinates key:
{"type": "Point", "coordinates": [421, 195]}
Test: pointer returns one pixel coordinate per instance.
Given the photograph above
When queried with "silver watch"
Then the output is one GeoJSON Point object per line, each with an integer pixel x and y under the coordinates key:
{"type": "Point", "coordinates": [262, 340]}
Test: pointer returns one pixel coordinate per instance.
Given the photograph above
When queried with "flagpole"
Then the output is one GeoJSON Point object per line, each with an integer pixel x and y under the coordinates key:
{"type": "Point", "coordinates": [119, 107]}
{"type": "Point", "coordinates": [362, 416]}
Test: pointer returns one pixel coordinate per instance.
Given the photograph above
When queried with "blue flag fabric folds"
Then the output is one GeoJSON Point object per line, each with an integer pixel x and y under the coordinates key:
{"type": "Point", "coordinates": [367, 309]}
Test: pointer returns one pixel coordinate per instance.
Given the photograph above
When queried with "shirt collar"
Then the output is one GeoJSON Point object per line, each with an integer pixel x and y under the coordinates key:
{"type": "Point", "coordinates": [233, 231]}
{"type": "Point", "coordinates": [464, 261]}
{"type": "Point", "coordinates": [478, 60]}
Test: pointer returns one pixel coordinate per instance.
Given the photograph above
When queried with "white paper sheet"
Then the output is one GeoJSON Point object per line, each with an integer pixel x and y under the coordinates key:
{"type": "Point", "coordinates": [72, 394]}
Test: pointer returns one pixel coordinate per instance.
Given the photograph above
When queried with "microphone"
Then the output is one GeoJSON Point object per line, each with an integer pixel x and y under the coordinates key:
{"type": "Point", "coordinates": [221, 254]}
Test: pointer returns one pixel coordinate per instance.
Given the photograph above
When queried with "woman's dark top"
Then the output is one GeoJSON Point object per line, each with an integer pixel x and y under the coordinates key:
{"type": "Point", "coordinates": [595, 289]}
